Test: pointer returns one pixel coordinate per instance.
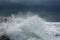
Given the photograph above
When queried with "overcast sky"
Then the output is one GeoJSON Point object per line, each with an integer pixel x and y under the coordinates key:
{"type": "Point", "coordinates": [31, 2]}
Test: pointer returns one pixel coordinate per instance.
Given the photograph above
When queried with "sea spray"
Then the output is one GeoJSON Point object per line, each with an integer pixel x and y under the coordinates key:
{"type": "Point", "coordinates": [30, 27]}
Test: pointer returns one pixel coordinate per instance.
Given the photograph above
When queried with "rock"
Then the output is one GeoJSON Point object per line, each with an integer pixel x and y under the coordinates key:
{"type": "Point", "coordinates": [4, 38]}
{"type": "Point", "coordinates": [3, 20]}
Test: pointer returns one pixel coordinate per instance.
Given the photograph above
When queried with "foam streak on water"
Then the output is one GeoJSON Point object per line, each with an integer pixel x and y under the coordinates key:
{"type": "Point", "coordinates": [30, 28]}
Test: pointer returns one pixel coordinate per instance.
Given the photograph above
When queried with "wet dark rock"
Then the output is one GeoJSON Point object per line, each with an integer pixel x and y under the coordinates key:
{"type": "Point", "coordinates": [3, 20]}
{"type": "Point", "coordinates": [4, 38]}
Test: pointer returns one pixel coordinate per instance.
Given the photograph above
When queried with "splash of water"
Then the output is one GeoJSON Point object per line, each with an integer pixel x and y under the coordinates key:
{"type": "Point", "coordinates": [30, 28]}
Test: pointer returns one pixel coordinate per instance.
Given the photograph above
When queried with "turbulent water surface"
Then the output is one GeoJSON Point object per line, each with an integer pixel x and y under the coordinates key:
{"type": "Point", "coordinates": [30, 27]}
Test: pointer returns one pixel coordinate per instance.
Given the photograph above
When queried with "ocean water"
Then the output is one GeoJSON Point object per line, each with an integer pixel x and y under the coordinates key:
{"type": "Point", "coordinates": [30, 27]}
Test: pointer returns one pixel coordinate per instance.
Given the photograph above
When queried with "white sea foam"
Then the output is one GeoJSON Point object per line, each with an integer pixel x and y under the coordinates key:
{"type": "Point", "coordinates": [30, 27]}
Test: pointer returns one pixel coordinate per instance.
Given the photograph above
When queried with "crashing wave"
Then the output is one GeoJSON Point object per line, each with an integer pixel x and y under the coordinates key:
{"type": "Point", "coordinates": [30, 28]}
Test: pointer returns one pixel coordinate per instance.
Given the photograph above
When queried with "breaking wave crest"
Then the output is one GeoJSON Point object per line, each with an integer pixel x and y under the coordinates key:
{"type": "Point", "coordinates": [30, 27]}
